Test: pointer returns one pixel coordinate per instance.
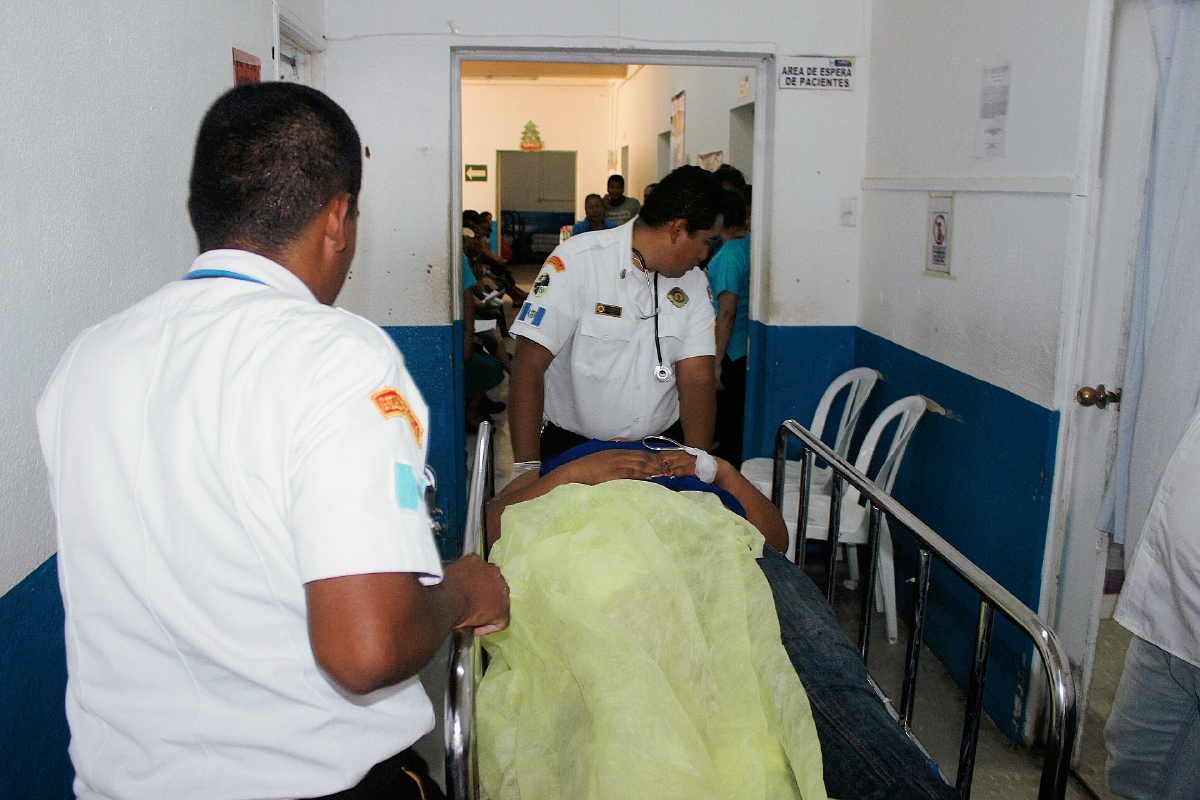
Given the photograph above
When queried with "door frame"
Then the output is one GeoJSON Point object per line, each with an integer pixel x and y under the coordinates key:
{"type": "Point", "coordinates": [764, 141]}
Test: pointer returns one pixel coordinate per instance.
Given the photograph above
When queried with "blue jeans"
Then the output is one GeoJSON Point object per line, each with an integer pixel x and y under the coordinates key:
{"type": "Point", "coordinates": [1153, 733]}
{"type": "Point", "coordinates": [866, 754]}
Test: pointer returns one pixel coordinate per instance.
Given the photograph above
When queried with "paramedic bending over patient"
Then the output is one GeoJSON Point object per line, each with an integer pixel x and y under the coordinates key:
{"type": "Point", "coordinates": [616, 339]}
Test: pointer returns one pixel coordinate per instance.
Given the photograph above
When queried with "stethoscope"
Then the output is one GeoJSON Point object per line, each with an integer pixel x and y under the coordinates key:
{"type": "Point", "coordinates": [660, 444]}
{"type": "Point", "coordinates": [662, 372]}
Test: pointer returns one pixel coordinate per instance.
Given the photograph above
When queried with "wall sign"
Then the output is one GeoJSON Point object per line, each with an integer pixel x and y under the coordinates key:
{"type": "Point", "coordinates": [938, 234]}
{"type": "Point", "coordinates": [246, 68]}
{"type": "Point", "coordinates": [993, 111]}
{"type": "Point", "coordinates": [678, 127]}
{"type": "Point", "coordinates": [475, 172]}
{"type": "Point", "coordinates": [530, 138]}
{"type": "Point", "coordinates": [816, 72]}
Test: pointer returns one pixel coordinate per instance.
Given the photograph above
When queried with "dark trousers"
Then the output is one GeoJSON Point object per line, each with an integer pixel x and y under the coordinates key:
{"type": "Point", "coordinates": [867, 756]}
{"type": "Point", "coordinates": [731, 411]}
{"type": "Point", "coordinates": [556, 441]}
{"type": "Point", "coordinates": [404, 776]}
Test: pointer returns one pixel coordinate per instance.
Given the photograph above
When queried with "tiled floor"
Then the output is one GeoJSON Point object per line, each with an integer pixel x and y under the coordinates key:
{"type": "Point", "coordinates": [1002, 772]}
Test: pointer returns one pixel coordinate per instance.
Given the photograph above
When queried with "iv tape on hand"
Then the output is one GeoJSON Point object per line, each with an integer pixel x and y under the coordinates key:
{"type": "Point", "coordinates": [706, 465]}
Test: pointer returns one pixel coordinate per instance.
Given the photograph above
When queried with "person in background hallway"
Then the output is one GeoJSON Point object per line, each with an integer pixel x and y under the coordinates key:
{"type": "Point", "coordinates": [730, 177]}
{"type": "Point", "coordinates": [594, 219]}
{"type": "Point", "coordinates": [729, 282]}
{"type": "Point", "coordinates": [495, 264]}
{"type": "Point", "coordinates": [617, 339]}
{"type": "Point", "coordinates": [646, 192]}
{"type": "Point", "coordinates": [247, 566]}
{"type": "Point", "coordinates": [619, 209]}
{"type": "Point", "coordinates": [1153, 732]}
{"type": "Point", "coordinates": [481, 370]}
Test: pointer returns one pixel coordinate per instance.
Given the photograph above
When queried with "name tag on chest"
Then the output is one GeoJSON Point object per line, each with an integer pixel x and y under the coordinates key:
{"type": "Point", "coordinates": [605, 310]}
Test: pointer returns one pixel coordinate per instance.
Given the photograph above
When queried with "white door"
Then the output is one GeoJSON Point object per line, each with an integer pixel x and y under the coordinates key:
{"type": "Point", "coordinates": [1103, 331]}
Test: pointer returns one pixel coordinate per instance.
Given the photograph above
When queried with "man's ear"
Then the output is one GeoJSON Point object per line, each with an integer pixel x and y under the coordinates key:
{"type": "Point", "coordinates": [678, 229]}
{"type": "Point", "coordinates": [337, 215]}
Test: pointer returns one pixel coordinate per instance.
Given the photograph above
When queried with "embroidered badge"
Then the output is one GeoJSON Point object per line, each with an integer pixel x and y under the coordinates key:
{"type": "Point", "coordinates": [607, 310]}
{"type": "Point", "coordinates": [408, 488]}
{"type": "Point", "coordinates": [541, 284]}
{"type": "Point", "coordinates": [557, 263]}
{"type": "Point", "coordinates": [531, 314]}
{"type": "Point", "coordinates": [678, 297]}
{"type": "Point", "coordinates": [391, 403]}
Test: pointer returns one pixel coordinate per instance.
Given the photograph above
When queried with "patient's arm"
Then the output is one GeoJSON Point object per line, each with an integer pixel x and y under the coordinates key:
{"type": "Point", "coordinates": [611, 465]}
{"type": "Point", "coordinates": [607, 465]}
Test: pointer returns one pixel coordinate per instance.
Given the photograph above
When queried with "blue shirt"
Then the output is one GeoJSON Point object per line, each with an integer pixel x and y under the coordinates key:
{"type": "Point", "coordinates": [729, 271]}
{"type": "Point", "coordinates": [583, 226]}
{"type": "Point", "coordinates": [468, 276]}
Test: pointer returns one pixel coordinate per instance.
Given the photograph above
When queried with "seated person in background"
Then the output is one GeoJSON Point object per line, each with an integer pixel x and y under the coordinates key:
{"type": "Point", "coordinates": [496, 264]}
{"type": "Point", "coordinates": [865, 753]}
{"type": "Point", "coordinates": [594, 219]}
{"type": "Point", "coordinates": [619, 209]}
{"type": "Point", "coordinates": [481, 370]}
{"type": "Point", "coordinates": [729, 286]}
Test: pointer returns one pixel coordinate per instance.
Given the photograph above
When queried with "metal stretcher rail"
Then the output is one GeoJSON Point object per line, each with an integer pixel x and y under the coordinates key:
{"type": "Point", "coordinates": [466, 657]}
{"type": "Point", "coordinates": [1061, 719]}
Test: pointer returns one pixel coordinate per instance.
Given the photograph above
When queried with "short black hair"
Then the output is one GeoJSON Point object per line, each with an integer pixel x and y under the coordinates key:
{"type": "Point", "coordinates": [471, 217]}
{"type": "Point", "coordinates": [734, 209]}
{"type": "Point", "coordinates": [727, 173]}
{"type": "Point", "coordinates": [687, 193]}
{"type": "Point", "coordinates": [618, 178]}
{"type": "Point", "coordinates": [590, 196]}
{"type": "Point", "coordinates": [269, 156]}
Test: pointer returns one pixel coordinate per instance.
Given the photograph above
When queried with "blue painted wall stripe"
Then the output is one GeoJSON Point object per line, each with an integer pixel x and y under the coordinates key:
{"type": "Point", "coordinates": [34, 764]}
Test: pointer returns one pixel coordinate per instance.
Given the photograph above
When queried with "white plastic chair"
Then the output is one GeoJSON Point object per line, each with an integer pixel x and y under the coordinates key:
{"type": "Point", "coordinates": [855, 519]}
{"type": "Point", "coordinates": [861, 382]}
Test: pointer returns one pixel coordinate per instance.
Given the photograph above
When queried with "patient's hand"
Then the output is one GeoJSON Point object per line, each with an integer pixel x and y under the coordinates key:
{"type": "Point", "coordinates": [613, 465]}
{"type": "Point", "coordinates": [679, 463]}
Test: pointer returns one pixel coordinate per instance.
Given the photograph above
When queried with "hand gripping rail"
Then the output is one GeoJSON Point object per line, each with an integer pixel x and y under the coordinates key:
{"type": "Point", "coordinates": [1061, 721]}
{"type": "Point", "coordinates": [466, 658]}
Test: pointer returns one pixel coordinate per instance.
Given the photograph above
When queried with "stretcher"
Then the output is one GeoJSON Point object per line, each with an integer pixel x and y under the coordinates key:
{"type": "Point", "coordinates": [466, 661]}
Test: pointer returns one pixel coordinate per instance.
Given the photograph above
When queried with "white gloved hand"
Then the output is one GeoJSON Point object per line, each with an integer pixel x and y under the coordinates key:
{"type": "Point", "coordinates": [706, 465]}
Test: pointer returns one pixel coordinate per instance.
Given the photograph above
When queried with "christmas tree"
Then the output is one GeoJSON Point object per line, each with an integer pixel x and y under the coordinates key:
{"type": "Point", "coordinates": [530, 138]}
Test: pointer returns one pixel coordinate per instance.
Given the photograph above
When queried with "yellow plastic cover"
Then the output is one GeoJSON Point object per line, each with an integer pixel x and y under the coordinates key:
{"type": "Point", "coordinates": [644, 656]}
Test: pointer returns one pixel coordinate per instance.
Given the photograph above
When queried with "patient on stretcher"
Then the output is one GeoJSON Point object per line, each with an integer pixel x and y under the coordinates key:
{"type": "Point", "coordinates": [648, 654]}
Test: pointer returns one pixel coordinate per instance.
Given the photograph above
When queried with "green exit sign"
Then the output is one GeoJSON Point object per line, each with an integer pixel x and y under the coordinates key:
{"type": "Point", "coordinates": [476, 172]}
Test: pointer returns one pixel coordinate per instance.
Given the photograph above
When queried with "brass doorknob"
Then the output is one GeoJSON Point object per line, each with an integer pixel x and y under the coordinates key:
{"type": "Point", "coordinates": [1098, 397]}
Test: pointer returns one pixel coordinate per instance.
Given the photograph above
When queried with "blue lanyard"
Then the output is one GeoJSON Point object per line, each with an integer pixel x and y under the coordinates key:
{"type": "Point", "coordinates": [221, 273]}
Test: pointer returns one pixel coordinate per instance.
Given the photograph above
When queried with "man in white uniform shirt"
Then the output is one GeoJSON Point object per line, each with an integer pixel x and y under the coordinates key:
{"type": "Point", "coordinates": [616, 339]}
{"type": "Point", "coordinates": [246, 561]}
{"type": "Point", "coordinates": [1153, 732]}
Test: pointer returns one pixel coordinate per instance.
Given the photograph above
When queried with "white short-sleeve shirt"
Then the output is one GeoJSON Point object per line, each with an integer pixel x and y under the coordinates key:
{"type": "Point", "coordinates": [1160, 601]}
{"type": "Point", "coordinates": [211, 450]}
{"type": "Point", "coordinates": [586, 310]}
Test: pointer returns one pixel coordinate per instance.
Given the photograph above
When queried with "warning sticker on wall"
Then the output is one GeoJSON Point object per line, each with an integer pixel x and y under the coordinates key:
{"type": "Point", "coordinates": [938, 233]}
{"type": "Point", "coordinates": [816, 72]}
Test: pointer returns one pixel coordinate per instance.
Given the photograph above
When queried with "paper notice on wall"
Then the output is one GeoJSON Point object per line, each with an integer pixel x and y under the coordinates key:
{"type": "Point", "coordinates": [678, 127]}
{"type": "Point", "coordinates": [246, 68]}
{"type": "Point", "coordinates": [993, 111]}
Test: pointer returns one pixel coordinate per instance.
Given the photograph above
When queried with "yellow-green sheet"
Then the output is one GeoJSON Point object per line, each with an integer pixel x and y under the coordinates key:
{"type": "Point", "coordinates": [643, 659]}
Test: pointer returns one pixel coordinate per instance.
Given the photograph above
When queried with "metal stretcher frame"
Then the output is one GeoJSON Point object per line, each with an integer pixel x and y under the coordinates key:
{"type": "Point", "coordinates": [1061, 718]}
{"type": "Point", "coordinates": [466, 666]}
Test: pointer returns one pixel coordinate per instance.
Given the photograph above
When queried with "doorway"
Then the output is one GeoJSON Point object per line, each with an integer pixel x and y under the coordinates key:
{"type": "Point", "coordinates": [535, 192]}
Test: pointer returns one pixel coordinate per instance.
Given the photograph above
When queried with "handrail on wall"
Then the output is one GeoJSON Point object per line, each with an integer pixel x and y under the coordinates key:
{"type": "Point", "coordinates": [1061, 720]}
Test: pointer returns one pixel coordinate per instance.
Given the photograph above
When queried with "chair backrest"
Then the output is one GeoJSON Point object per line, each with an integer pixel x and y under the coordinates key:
{"type": "Point", "coordinates": [909, 410]}
{"type": "Point", "coordinates": [861, 381]}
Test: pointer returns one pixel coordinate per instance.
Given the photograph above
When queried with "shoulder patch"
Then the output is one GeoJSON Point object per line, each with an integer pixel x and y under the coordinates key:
{"type": "Point", "coordinates": [391, 403]}
{"type": "Point", "coordinates": [541, 284]}
{"type": "Point", "coordinates": [678, 297]}
{"type": "Point", "coordinates": [556, 262]}
{"type": "Point", "coordinates": [531, 314]}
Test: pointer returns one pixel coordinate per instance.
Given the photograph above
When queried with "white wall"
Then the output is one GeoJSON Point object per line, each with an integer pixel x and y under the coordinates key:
{"type": "Point", "coordinates": [101, 105]}
{"type": "Point", "coordinates": [389, 65]}
{"type": "Point", "coordinates": [644, 111]}
{"type": "Point", "coordinates": [569, 114]}
{"type": "Point", "coordinates": [999, 320]}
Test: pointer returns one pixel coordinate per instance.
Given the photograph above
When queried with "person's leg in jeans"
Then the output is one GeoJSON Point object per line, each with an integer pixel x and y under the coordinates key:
{"type": "Point", "coordinates": [866, 754]}
{"type": "Point", "coordinates": [1153, 732]}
